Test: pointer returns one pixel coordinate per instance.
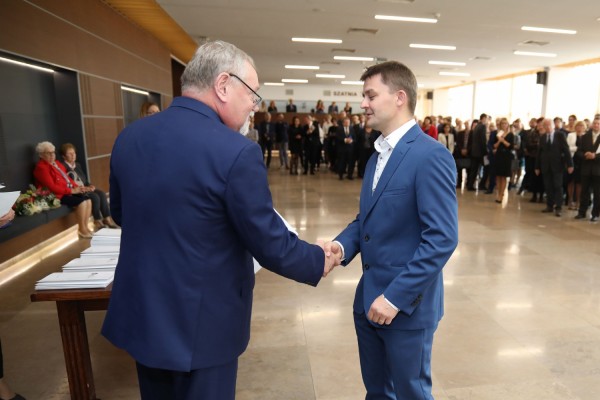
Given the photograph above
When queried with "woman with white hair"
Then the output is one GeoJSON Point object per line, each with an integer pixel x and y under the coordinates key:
{"type": "Point", "coordinates": [51, 174]}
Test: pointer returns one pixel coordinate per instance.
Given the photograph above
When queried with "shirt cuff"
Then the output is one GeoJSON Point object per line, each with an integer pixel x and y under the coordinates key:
{"type": "Point", "coordinates": [391, 305]}
{"type": "Point", "coordinates": [343, 252]}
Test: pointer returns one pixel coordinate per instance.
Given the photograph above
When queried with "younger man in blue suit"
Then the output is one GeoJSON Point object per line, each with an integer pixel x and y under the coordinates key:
{"type": "Point", "coordinates": [182, 296]}
{"type": "Point", "coordinates": [406, 230]}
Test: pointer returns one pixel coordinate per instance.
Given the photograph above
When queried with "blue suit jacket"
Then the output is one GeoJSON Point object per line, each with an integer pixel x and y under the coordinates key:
{"type": "Point", "coordinates": [406, 231]}
{"type": "Point", "coordinates": [182, 295]}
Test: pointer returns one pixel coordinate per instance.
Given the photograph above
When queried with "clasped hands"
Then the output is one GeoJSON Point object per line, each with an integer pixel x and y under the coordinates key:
{"type": "Point", "coordinates": [333, 255]}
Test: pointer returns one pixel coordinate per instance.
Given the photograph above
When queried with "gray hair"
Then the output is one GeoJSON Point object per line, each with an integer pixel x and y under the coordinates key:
{"type": "Point", "coordinates": [211, 59]}
{"type": "Point", "coordinates": [44, 146]}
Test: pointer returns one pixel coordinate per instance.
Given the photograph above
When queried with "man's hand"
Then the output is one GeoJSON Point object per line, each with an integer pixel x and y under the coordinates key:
{"type": "Point", "coordinates": [589, 155]}
{"type": "Point", "coordinates": [381, 312]}
{"type": "Point", "coordinates": [333, 255]}
{"type": "Point", "coordinates": [537, 172]}
{"type": "Point", "coordinates": [570, 170]}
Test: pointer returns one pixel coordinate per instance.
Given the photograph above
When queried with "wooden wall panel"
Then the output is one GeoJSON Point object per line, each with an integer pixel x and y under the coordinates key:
{"type": "Point", "coordinates": [99, 171]}
{"type": "Point", "coordinates": [86, 36]}
{"type": "Point", "coordinates": [100, 135]}
{"type": "Point", "coordinates": [100, 96]}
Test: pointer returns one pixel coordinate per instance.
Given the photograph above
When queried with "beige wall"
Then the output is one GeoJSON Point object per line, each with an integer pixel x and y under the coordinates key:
{"type": "Point", "coordinates": [104, 48]}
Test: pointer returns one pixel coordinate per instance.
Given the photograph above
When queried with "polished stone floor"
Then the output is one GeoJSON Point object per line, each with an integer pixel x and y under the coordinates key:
{"type": "Point", "coordinates": [522, 311]}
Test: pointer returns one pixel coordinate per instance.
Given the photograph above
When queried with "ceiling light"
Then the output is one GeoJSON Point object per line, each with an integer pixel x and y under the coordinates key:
{"type": "Point", "coordinates": [315, 40]}
{"type": "Point", "coordinates": [406, 19]}
{"type": "Point", "coordinates": [26, 65]}
{"type": "Point", "coordinates": [432, 46]}
{"type": "Point", "coordinates": [534, 54]}
{"type": "Point", "coordinates": [295, 80]}
{"type": "Point", "coordinates": [349, 58]}
{"type": "Point", "coordinates": [548, 30]}
{"type": "Point", "coordinates": [330, 76]}
{"type": "Point", "coordinates": [302, 67]}
{"type": "Point", "coordinates": [273, 84]}
{"type": "Point", "coordinates": [356, 83]}
{"type": "Point", "coordinates": [458, 64]}
{"type": "Point", "coordinates": [421, 85]}
{"type": "Point", "coordinates": [448, 73]}
{"type": "Point", "coordinates": [138, 91]}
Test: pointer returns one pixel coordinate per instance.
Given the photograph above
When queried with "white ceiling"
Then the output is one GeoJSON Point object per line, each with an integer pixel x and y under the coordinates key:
{"type": "Point", "coordinates": [478, 28]}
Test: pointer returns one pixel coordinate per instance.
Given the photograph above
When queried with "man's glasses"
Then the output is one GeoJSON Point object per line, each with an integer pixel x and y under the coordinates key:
{"type": "Point", "coordinates": [256, 99]}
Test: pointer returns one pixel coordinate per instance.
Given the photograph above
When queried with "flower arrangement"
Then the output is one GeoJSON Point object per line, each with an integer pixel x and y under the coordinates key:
{"type": "Point", "coordinates": [35, 200]}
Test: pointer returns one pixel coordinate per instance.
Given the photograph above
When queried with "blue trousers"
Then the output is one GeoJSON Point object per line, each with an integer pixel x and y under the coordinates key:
{"type": "Point", "coordinates": [395, 364]}
{"type": "Point", "coordinates": [214, 383]}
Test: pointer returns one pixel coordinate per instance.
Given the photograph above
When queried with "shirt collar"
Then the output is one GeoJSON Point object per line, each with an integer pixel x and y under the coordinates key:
{"type": "Point", "coordinates": [393, 138]}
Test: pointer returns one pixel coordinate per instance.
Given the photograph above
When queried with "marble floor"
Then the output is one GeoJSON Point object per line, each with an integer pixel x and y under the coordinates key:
{"type": "Point", "coordinates": [522, 311]}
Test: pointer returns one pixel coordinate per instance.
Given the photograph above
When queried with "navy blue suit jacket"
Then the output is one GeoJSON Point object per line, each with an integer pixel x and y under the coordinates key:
{"type": "Point", "coordinates": [182, 295]}
{"type": "Point", "coordinates": [406, 231]}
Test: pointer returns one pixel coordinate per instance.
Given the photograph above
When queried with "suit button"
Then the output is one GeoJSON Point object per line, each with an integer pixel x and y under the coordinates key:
{"type": "Point", "coordinates": [367, 238]}
{"type": "Point", "coordinates": [366, 266]}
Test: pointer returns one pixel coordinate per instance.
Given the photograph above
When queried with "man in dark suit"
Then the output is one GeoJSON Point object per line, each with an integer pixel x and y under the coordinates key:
{"type": "Point", "coordinates": [461, 155]}
{"type": "Point", "coordinates": [291, 107]}
{"type": "Point", "coordinates": [312, 145]}
{"type": "Point", "coordinates": [553, 156]}
{"type": "Point", "coordinates": [406, 230]}
{"type": "Point", "coordinates": [590, 171]}
{"type": "Point", "coordinates": [182, 296]}
{"type": "Point", "coordinates": [266, 132]}
{"type": "Point", "coordinates": [345, 145]}
{"type": "Point", "coordinates": [477, 151]}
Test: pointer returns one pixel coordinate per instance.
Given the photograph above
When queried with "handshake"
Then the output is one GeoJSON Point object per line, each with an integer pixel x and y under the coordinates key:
{"type": "Point", "coordinates": [333, 255]}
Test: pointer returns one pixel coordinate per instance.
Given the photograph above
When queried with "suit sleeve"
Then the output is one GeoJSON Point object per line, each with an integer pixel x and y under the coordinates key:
{"type": "Point", "coordinates": [438, 213]}
{"type": "Point", "coordinates": [250, 210]}
{"type": "Point", "coordinates": [115, 196]}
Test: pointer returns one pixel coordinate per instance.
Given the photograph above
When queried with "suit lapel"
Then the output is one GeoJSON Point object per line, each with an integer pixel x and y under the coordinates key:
{"type": "Point", "coordinates": [396, 158]}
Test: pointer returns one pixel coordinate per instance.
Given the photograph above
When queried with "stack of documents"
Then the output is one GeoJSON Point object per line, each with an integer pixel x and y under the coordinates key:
{"type": "Point", "coordinates": [107, 237]}
{"type": "Point", "coordinates": [92, 264]}
{"type": "Point", "coordinates": [75, 280]}
{"type": "Point", "coordinates": [101, 251]}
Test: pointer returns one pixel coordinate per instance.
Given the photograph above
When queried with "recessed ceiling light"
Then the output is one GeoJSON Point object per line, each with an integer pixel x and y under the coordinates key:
{"type": "Point", "coordinates": [330, 76]}
{"type": "Point", "coordinates": [534, 54]}
{"type": "Point", "coordinates": [8, 60]}
{"type": "Point", "coordinates": [448, 73]}
{"type": "Point", "coordinates": [356, 83]}
{"type": "Point", "coordinates": [315, 40]}
{"type": "Point", "coordinates": [295, 80]}
{"type": "Point", "coordinates": [406, 19]}
{"type": "Point", "coordinates": [458, 64]}
{"type": "Point", "coordinates": [302, 67]}
{"type": "Point", "coordinates": [273, 84]}
{"type": "Point", "coordinates": [349, 58]}
{"type": "Point", "coordinates": [548, 30]}
{"type": "Point", "coordinates": [432, 46]}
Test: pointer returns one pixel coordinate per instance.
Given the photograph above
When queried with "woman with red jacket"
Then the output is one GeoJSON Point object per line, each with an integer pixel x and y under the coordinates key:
{"type": "Point", "coordinates": [51, 174]}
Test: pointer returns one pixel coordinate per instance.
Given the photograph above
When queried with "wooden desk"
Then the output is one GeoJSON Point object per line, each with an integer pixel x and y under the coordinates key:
{"type": "Point", "coordinates": [71, 305]}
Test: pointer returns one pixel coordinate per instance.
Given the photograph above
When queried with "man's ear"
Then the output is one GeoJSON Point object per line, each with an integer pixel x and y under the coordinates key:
{"type": "Point", "coordinates": [220, 86]}
{"type": "Point", "coordinates": [402, 98]}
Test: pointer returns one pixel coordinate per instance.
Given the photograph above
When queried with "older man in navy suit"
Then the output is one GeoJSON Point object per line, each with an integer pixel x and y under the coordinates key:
{"type": "Point", "coordinates": [406, 230]}
{"type": "Point", "coordinates": [182, 295]}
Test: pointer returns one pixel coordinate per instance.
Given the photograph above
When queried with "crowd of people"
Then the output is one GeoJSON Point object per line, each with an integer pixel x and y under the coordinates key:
{"type": "Point", "coordinates": [553, 161]}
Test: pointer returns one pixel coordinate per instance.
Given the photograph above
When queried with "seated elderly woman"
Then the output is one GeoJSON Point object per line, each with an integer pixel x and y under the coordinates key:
{"type": "Point", "coordinates": [51, 174]}
{"type": "Point", "coordinates": [100, 208]}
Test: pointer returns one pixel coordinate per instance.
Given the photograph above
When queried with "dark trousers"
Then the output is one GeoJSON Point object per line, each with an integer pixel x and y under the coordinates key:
{"type": "Point", "coordinates": [395, 364]}
{"type": "Point", "coordinates": [345, 159]}
{"type": "Point", "coordinates": [476, 163]}
{"type": "Point", "coordinates": [100, 208]}
{"type": "Point", "coordinates": [311, 156]}
{"type": "Point", "coordinates": [215, 383]}
{"type": "Point", "coordinates": [589, 184]}
{"type": "Point", "coordinates": [269, 149]}
{"type": "Point", "coordinates": [553, 183]}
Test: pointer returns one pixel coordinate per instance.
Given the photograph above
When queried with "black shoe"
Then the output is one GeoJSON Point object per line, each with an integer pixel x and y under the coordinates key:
{"type": "Point", "coordinates": [541, 199]}
{"type": "Point", "coordinates": [488, 192]}
{"type": "Point", "coordinates": [305, 172]}
{"type": "Point", "coordinates": [594, 219]}
{"type": "Point", "coordinates": [470, 189]}
{"type": "Point", "coordinates": [350, 178]}
{"type": "Point", "coordinates": [498, 201]}
{"type": "Point", "coordinates": [547, 210]}
{"type": "Point", "coordinates": [579, 216]}
{"type": "Point", "coordinates": [533, 199]}
{"type": "Point", "coordinates": [312, 172]}
{"type": "Point", "coordinates": [341, 178]}
{"type": "Point", "coordinates": [558, 212]}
